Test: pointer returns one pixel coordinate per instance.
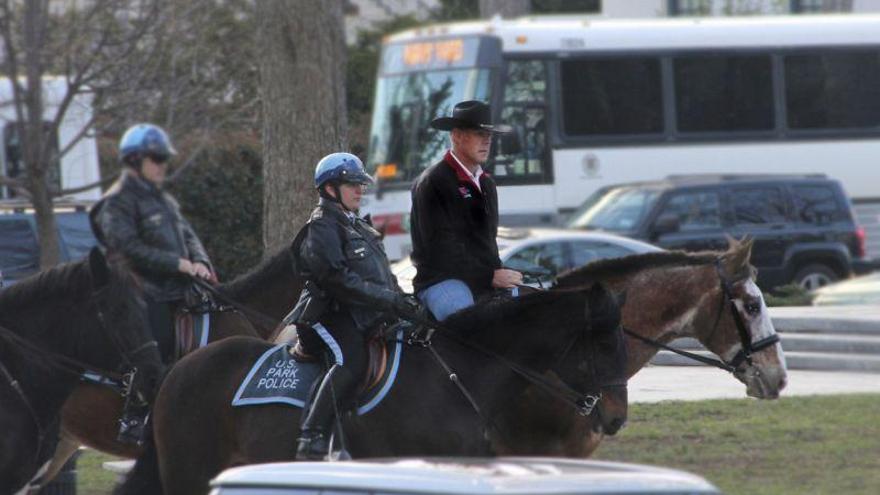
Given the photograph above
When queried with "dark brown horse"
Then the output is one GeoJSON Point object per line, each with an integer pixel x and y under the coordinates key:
{"type": "Point", "coordinates": [197, 432]}
{"type": "Point", "coordinates": [668, 295]}
{"type": "Point", "coordinates": [81, 316]}
{"type": "Point", "coordinates": [91, 413]}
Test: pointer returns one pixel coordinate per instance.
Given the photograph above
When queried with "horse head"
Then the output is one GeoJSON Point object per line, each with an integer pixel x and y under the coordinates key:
{"type": "Point", "coordinates": [743, 334]}
{"type": "Point", "coordinates": [598, 360]}
{"type": "Point", "coordinates": [120, 313]}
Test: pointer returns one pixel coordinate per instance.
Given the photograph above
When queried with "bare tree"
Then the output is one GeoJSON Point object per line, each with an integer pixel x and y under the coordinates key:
{"type": "Point", "coordinates": [504, 8]}
{"type": "Point", "coordinates": [82, 44]}
{"type": "Point", "coordinates": [187, 65]}
{"type": "Point", "coordinates": [302, 69]}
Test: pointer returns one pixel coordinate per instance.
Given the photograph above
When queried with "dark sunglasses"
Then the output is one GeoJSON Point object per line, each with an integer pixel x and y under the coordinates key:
{"type": "Point", "coordinates": [160, 159]}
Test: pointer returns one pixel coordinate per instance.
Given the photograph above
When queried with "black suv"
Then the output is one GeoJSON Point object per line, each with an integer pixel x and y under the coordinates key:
{"type": "Point", "coordinates": [19, 247]}
{"type": "Point", "coordinates": [802, 225]}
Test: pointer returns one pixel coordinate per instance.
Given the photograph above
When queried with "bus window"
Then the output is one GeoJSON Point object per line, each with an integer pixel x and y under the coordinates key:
{"type": "Point", "coordinates": [723, 93]}
{"type": "Point", "coordinates": [524, 108]}
{"type": "Point", "coordinates": [604, 97]}
{"type": "Point", "coordinates": [834, 90]}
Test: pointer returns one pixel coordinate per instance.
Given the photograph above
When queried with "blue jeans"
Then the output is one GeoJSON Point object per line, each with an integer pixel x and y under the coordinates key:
{"type": "Point", "coordinates": [446, 297]}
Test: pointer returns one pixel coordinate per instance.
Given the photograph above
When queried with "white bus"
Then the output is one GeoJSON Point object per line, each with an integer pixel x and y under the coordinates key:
{"type": "Point", "coordinates": [598, 102]}
{"type": "Point", "coordinates": [79, 166]}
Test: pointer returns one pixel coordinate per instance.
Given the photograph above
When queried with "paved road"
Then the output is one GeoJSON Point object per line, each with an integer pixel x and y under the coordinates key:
{"type": "Point", "coordinates": [659, 383]}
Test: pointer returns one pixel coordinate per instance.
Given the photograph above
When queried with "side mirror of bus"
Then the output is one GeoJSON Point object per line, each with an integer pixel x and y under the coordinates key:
{"type": "Point", "coordinates": [665, 224]}
{"type": "Point", "coordinates": [508, 144]}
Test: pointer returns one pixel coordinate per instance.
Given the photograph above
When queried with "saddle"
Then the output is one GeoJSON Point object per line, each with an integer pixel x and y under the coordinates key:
{"type": "Point", "coordinates": [192, 321]}
{"type": "Point", "coordinates": [377, 355]}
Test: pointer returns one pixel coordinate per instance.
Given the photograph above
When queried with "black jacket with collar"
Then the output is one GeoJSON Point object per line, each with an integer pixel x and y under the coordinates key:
{"type": "Point", "coordinates": [346, 269]}
{"type": "Point", "coordinates": [142, 223]}
{"type": "Point", "coordinates": [453, 226]}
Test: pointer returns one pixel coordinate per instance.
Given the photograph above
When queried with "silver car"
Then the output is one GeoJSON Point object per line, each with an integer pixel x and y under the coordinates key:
{"type": "Point", "coordinates": [545, 253]}
{"type": "Point", "coordinates": [457, 476]}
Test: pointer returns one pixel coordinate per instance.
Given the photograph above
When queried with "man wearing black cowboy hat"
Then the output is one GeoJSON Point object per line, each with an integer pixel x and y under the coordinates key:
{"type": "Point", "coordinates": [454, 217]}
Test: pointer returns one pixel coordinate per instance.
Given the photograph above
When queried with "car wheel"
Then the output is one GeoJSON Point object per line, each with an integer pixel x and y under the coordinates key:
{"type": "Point", "coordinates": [814, 276]}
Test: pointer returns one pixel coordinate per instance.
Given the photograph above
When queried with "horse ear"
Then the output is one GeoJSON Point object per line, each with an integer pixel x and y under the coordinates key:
{"type": "Point", "coordinates": [736, 259]}
{"type": "Point", "coordinates": [99, 268]}
{"type": "Point", "coordinates": [597, 298]}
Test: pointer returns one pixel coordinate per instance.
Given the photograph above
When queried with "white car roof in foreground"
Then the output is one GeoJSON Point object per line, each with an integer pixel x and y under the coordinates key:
{"type": "Point", "coordinates": [468, 476]}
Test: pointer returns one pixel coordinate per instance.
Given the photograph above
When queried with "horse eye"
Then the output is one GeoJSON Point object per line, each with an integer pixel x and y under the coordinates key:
{"type": "Point", "coordinates": [753, 307]}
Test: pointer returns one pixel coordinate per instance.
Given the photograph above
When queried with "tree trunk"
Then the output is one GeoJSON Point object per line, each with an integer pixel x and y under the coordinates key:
{"type": "Point", "coordinates": [505, 8]}
{"type": "Point", "coordinates": [33, 138]}
{"type": "Point", "coordinates": [302, 70]}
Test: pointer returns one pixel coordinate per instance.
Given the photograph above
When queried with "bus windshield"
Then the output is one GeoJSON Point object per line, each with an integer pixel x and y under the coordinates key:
{"type": "Point", "coordinates": [620, 209]}
{"type": "Point", "coordinates": [402, 144]}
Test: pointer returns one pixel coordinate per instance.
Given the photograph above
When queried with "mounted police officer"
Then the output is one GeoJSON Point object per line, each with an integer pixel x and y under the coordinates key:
{"type": "Point", "coordinates": [137, 220]}
{"type": "Point", "coordinates": [349, 293]}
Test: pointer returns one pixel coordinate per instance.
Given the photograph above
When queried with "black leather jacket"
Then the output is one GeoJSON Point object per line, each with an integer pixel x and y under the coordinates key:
{"type": "Point", "coordinates": [142, 223]}
{"type": "Point", "coordinates": [346, 269]}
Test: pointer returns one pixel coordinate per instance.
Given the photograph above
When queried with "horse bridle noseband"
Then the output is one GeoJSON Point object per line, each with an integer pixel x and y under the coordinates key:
{"type": "Point", "coordinates": [748, 347]}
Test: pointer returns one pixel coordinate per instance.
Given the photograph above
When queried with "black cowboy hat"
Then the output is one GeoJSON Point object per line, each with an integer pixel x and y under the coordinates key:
{"type": "Point", "coordinates": [471, 114]}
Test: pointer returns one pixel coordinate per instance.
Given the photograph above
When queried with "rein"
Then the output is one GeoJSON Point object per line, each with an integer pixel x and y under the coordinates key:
{"type": "Point", "coordinates": [253, 316]}
{"type": "Point", "coordinates": [583, 403]}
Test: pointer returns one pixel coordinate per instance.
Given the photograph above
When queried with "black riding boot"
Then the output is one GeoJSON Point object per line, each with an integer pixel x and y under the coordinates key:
{"type": "Point", "coordinates": [314, 440]}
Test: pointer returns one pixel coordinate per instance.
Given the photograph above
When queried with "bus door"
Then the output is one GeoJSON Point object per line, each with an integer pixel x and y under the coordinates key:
{"type": "Point", "coordinates": [521, 165]}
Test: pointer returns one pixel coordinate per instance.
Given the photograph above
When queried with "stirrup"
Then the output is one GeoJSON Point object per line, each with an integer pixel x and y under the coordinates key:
{"type": "Point", "coordinates": [312, 447]}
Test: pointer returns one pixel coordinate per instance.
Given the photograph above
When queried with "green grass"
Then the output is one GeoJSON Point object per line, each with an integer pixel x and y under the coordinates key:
{"type": "Point", "coordinates": [796, 445]}
{"type": "Point", "coordinates": [801, 445]}
{"type": "Point", "coordinates": [91, 478]}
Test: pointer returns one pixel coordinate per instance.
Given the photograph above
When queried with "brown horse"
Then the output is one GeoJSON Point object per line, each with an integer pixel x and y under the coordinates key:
{"type": "Point", "coordinates": [197, 432]}
{"type": "Point", "coordinates": [90, 415]}
{"type": "Point", "coordinates": [668, 295]}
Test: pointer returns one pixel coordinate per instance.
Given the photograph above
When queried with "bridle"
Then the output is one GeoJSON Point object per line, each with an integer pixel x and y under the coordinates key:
{"type": "Point", "coordinates": [748, 348]}
{"type": "Point", "coordinates": [73, 366]}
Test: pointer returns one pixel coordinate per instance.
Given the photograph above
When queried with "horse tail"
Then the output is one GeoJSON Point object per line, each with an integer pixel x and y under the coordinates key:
{"type": "Point", "coordinates": [144, 478]}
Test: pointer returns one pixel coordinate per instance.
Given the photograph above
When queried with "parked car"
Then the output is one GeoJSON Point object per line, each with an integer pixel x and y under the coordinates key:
{"type": "Point", "coordinates": [803, 225]}
{"type": "Point", "coordinates": [860, 290]}
{"type": "Point", "coordinates": [545, 253]}
{"type": "Point", "coordinates": [453, 476]}
{"type": "Point", "coordinates": [19, 247]}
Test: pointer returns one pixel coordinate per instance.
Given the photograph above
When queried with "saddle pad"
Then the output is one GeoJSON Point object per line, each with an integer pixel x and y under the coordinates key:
{"type": "Point", "coordinates": [277, 378]}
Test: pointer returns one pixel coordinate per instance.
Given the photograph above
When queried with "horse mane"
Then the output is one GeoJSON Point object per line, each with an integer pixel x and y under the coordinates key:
{"type": "Point", "coordinates": [260, 276]}
{"type": "Point", "coordinates": [66, 281]}
{"type": "Point", "coordinates": [610, 267]}
{"type": "Point", "coordinates": [495, 311]}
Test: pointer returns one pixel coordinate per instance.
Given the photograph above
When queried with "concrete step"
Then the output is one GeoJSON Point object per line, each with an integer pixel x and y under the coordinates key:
{"type": "Point", "coordinates": [862, 320]}
{"type": "Point", "coordinates": [810, 342]}
{"type": "Point", "coordinates": [828, 361]}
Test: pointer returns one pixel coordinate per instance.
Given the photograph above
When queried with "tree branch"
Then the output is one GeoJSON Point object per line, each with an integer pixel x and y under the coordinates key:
{"type": "Point", "coordinates": [101, 183]}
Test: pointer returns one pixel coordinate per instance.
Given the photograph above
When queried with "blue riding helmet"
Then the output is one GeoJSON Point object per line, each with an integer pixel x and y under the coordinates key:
{"type": "Point", "coordinates": [145, 140]}
{"type": "Point", "coordinates": [343, 167]}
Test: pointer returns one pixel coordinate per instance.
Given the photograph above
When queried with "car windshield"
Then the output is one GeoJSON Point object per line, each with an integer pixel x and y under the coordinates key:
{"type": "Point", "coordinates": [620, 209]}
{"type": "Point", "coordinates": [402, 141]}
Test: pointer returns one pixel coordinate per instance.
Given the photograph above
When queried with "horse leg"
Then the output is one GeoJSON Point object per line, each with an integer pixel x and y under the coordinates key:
{"type": "Point", "coordinates": [262, 443]}
{"type": "Point", "coordinates": [66, 447]}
